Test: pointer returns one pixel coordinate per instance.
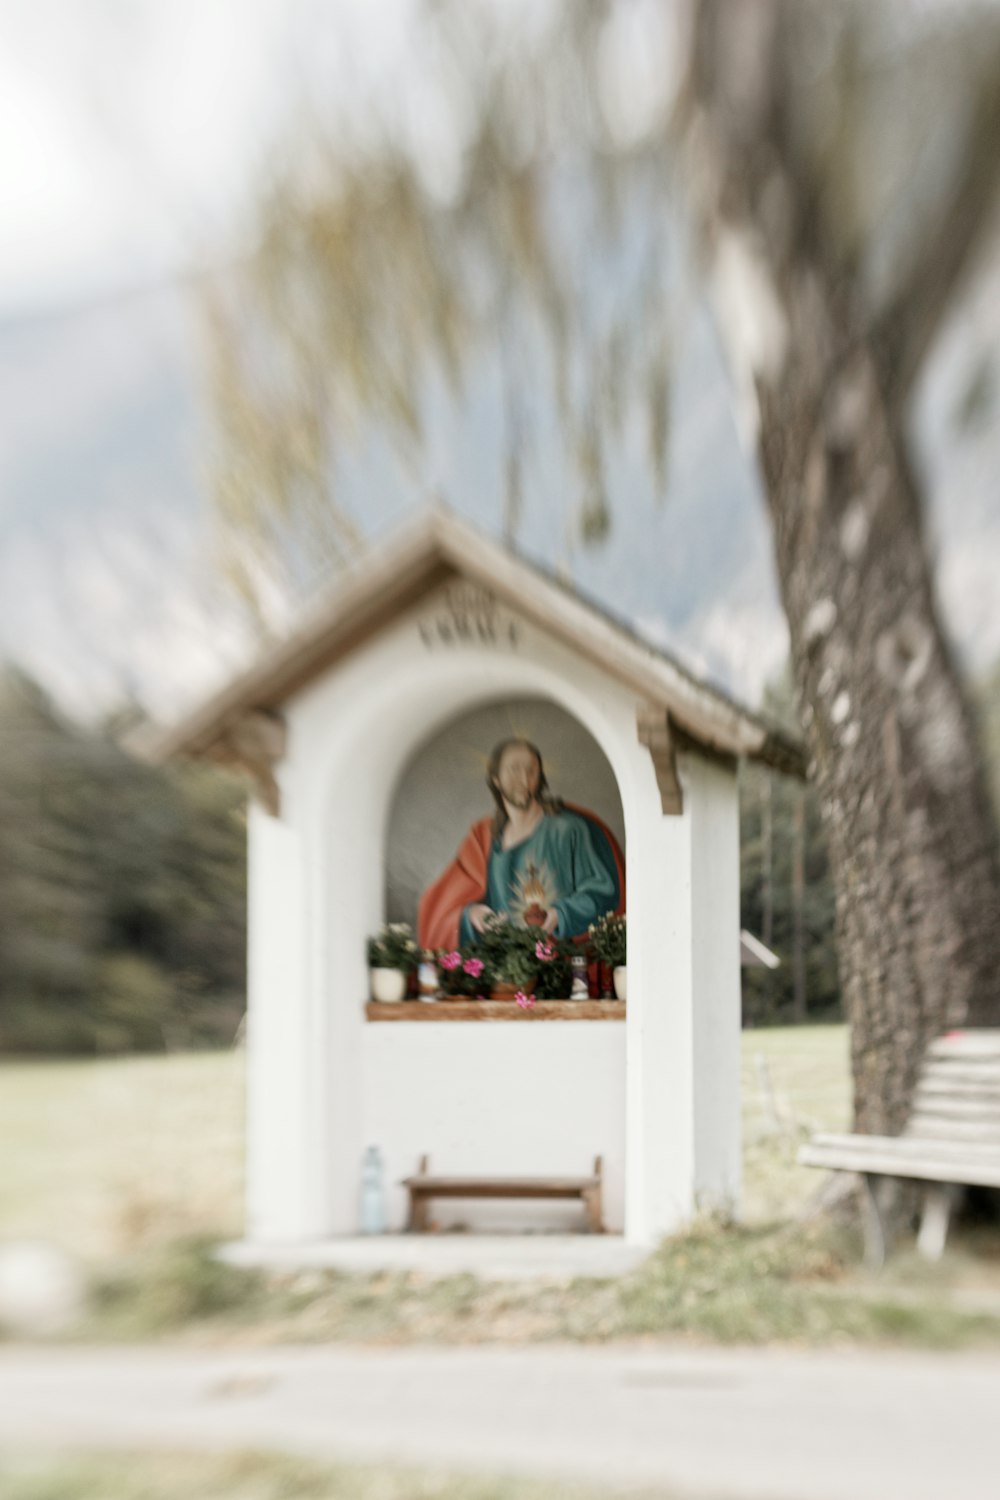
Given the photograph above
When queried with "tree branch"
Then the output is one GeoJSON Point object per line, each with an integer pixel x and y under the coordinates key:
{"type": "Point", "coordinates": [909, 324]}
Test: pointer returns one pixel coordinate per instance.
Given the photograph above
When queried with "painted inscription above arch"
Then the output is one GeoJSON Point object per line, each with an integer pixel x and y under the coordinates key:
{"type": "Point", "coordinates": [466, 615]}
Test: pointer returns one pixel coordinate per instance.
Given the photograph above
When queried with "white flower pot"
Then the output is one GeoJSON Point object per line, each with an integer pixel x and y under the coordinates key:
{"type": "Point", "coordinates": [621, 987]}
{"type": "Point", "coordinates": [387, 984]}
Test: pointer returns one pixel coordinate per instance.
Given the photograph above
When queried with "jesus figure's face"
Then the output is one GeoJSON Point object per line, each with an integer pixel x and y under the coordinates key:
{"type": "Point", "coordinates": [519, 776]}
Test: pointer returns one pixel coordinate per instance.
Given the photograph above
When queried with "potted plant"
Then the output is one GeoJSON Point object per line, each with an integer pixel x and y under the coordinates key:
{"type": "Point", "coordinates": [392, 957]}
{"type": "Point", "coordinates": [461, 973]}
{"type": "Point", "coordinates": [555, 974]}
{"type": "Point", "coordinates": [607, 937]}
{"type": "Point", "coordinates": [509, 955]}
{"type": "Point", "coordinates": [515, 974]}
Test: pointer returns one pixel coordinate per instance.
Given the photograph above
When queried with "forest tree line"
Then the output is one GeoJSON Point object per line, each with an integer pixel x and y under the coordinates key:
{"type": "Point", "coordinates": [122, 890]}
{"type": "Point", "coordinates": [123, 897]}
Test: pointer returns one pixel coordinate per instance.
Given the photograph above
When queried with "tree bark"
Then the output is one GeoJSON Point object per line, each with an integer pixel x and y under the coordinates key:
{"type": "Point", "coordinates": [905, 807]}
{"type": "Point", "coordinates": [904, 801]}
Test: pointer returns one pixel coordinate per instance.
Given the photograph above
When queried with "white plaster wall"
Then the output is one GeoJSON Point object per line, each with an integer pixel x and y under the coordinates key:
{"type": "Point", "coordinates": [660, 1098]}
{"type": "Point", "coordinates": [278, 1141]}
{"type": "Point", "coordinates": [539, 1097]}
{"type": "Point", "coordinates": [716, 993]}
{"type": "Point", "coordinates": [684, 1023]}
{"type": "Point", "coordinates": [324, 1083]}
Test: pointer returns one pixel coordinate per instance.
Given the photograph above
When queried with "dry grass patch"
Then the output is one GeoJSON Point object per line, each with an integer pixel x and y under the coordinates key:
{"type": "Point", "coordinates": [713, 1284]}
{"type": "Point", "coordinates": [255, 1476]}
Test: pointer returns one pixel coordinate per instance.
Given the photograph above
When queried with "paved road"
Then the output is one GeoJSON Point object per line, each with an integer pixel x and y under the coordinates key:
{"type": "Point", "coordinates": [747, 1425]}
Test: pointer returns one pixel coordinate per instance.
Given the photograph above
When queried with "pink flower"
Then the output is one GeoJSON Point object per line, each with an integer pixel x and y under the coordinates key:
{"type": "Point", "coordinates": [450, 960]}
{"type": "Point", "coordinates": [473, 966]}
{"type": "Point", "coordinates": [524, 1001]}
{"type": "Point", "coordinates": [545, 950]}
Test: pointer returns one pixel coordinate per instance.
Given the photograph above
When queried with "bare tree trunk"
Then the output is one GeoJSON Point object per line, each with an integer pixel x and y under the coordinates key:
{"type": "Point", "coordinates": [908, 820]}
{"type": "Point", "coordinates": [904, 801]}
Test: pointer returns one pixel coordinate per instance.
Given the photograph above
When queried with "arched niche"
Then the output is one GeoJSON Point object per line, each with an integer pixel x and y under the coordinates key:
{"type": "Point", "coordinates": [442, 790]}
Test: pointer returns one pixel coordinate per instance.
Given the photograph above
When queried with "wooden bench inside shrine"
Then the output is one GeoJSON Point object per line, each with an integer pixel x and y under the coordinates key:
{"type": "Point", "coordinates": [424, 1186]}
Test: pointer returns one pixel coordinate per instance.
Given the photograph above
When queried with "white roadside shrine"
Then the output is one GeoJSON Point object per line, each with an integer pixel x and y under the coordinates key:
{"type": "Point", "coordinates": [435, 623]}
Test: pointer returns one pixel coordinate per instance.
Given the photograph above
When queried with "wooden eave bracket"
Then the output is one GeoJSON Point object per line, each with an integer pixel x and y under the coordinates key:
{"type": "Point", "coordinates": [655, 733]}
{"type": "Point", "coordinates": [256, 744]}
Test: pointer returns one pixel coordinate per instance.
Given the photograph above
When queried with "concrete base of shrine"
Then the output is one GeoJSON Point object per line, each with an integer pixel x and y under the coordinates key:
{"type": "Point", "coordinates": [492, 1257]}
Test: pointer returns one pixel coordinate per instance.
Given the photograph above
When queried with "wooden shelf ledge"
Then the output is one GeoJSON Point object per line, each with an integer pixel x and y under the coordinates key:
{"type": "Point", "coordinates": [496, 1010]}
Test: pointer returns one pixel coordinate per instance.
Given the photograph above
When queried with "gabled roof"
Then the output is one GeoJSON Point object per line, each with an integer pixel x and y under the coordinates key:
{"type": "Point", "coordinates": [439, 548]}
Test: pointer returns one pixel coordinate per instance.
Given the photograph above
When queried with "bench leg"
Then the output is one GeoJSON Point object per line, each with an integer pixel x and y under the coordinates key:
{"type": "Point", "coordinates": [939, 1200]}
{"type": "Point", "coordinates": [592, 1204]}
{"type": "Point", "coordinates": [417, 1222]}
{"type": "Point", "coordinates": [875, 1234]}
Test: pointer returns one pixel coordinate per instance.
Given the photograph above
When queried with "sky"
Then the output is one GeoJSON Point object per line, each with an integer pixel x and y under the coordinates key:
{"type": "Point", "coordinates": [134, 137]}
{"type": "Point", "coordinates": [130, 132]}
{"type": "Point", "coordinates": [134, 133]}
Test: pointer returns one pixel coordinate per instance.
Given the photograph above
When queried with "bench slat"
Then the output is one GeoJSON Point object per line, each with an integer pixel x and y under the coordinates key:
{"type": "Point", "coordinates": [909, 1148]}
{"type": "Point", "coordinates": [933, 1127]}
{"type": "Point", "coordinates": [973, 1093]}
{"type": "Point", "coordinates": [892, 1164]}
{"type": "Point", "coordinates": [976, 1043]}
{"type": "Point", "coordinates": [972, 1110]}
{"type": "Point", "coordinates": [971, 1106]}
{"type": "Point", "coordinates": [955, 1075]}
{"type": "Point", "coordinates": [500, 1187]}
{"type": "Point", "coordinates": [960, 1076]}
{"type": "Point", "coordinates": [906, 1142]}
{"type": "Point", "coordinates": [958, 1107]}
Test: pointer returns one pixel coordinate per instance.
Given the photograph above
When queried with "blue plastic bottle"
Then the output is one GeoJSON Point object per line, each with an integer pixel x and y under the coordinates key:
{"type": "Point", "coordinates": [372, 1193]}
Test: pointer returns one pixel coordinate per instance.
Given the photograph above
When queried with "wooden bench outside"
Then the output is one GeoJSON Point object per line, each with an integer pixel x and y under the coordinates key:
{"type": "Point", "coordinates": [423, 1187]}
{"type": "Point", "coordinates": [951, 1140]}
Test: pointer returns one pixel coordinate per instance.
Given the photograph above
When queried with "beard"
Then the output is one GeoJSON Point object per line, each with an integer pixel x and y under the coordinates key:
{"type": "Point", "coordinates": [520, 800]}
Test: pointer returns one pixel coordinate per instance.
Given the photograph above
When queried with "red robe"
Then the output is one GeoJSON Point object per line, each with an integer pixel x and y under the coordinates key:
{"type": "Point", "coordinates": [464, 882]}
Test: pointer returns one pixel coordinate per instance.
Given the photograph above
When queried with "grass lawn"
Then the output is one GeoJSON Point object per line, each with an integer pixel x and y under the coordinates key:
{"type": "Point", "coordinates": [795, 1079]}
{"type": "Point", "coordinates": [105, 1157]}
{"type": "Point", "coordinates": [137, 1165]}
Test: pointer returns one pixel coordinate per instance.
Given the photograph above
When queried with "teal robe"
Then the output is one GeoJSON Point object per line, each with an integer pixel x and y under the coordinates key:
{"type": "Point", "coordinates": [567, 864]}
